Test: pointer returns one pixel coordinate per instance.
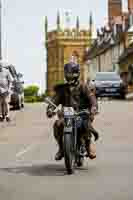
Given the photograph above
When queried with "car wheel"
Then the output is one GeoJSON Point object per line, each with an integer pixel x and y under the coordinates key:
{"type": "Point", "coordinates": [122, 96]}
{"type": "Point", "coordinates": [18, 105]}
{"type": "Point", "coordinates": [22, 105]}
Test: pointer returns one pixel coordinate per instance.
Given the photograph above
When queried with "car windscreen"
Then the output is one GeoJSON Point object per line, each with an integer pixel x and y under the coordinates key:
{"type": "Point", "coordinates": [107, 77]}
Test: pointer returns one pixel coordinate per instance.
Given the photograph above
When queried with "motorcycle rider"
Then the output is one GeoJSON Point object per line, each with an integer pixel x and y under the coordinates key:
{"type": "Point", "coordinates": [82, 98]}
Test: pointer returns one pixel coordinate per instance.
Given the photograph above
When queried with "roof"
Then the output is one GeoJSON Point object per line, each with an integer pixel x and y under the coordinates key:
{"type": "Point", "coordinates": [102, 45]}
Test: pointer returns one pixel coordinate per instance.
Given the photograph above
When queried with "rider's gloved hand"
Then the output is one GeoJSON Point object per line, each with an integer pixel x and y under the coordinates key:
{"type": "Point", "coordinates": [93, 110]}
{"type": "Point", "coordinates": [49, 113]}
{"type": "Point", "coordinates": [93, 113]}
{"type": "Point", "coordinates": [92, 117]}
{"type": "Point", "coordinates": [59, 114]}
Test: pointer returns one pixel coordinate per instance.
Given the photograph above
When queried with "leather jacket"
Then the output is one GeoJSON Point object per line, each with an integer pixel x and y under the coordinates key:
{"type": "Point", "coordinates": [78, 96]}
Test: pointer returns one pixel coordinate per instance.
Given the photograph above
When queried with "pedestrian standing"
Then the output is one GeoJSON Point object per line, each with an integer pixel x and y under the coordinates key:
{"type": "Point", "coordinates": [5, 83]}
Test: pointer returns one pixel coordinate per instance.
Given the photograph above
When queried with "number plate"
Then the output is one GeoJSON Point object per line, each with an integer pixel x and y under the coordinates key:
{"type": "Point", "coordinates": [67, 129]}
{"type": "Point", "coordinates": [110, 90]}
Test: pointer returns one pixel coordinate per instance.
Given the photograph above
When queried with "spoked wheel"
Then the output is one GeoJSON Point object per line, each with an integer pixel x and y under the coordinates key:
{"type": "Point", "coordinates": [68, 153]}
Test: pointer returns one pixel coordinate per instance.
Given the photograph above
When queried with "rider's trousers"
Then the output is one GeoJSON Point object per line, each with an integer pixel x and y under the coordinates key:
{"type": "Point", "coordinates": [4, 105]}
{"type": "Point", "coordinates": [59, 126]}
{"type": "Point", "coordinates": [58, 131]}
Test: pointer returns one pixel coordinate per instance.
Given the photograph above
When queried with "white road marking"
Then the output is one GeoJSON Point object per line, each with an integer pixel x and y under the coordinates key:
{"type": "Point", "coordinates": [25, 150]}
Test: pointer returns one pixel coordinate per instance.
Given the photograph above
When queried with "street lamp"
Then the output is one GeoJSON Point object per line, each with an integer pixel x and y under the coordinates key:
{"type": "Point", "coordinates": [0, 30]}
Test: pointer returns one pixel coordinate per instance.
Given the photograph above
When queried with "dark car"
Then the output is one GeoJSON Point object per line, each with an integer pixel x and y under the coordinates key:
{"type": "Point", "coordinates": [17, 95]}
{"type": "Point", "coordinates": [17, 88]}
{"type": "Point", "coordinates": [109, 84]}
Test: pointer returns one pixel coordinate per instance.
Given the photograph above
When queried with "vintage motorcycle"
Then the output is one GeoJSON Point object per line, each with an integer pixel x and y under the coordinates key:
{"type": "Point", "coordinates": [74, 147]}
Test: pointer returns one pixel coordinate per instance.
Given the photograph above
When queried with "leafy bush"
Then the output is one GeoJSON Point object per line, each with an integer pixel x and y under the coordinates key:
{"type": "Point", "coordinates": [31, 90]}
{"type": "Point", "coordinates": [60, 82]}
{"type": "Point", "coordinates": [30, 99]}
{"type": "Point", "coordinates": [39, 98]}
{"type": "Point", "coordinates": [33, 99]}
{"type": "Point", "coordinates": [31, 94]}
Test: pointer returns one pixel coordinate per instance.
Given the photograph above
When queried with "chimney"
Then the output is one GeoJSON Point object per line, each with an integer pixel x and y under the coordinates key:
{"type": "Point", "coordinates": [114, 9]}
{"type": "Point", "coordinates": [123, 23]}
{"type": "Point", "coordinates": [130, 5]}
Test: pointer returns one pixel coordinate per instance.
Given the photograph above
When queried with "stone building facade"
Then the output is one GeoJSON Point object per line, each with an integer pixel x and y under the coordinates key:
{"type": "Point", "coordinates": [111, 40]}
{"type": "Point", "coordinates": [60, 45]}
{"type": "Point", "coordinates": [105, 52]}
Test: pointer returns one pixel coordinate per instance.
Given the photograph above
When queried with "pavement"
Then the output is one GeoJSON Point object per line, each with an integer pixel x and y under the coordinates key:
{"type": "Point", "coordinates": [28, 169]}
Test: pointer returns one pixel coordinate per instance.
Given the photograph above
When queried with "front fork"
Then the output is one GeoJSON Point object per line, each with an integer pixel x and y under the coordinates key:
{"type": "Point", "coordinates": [75, 139]}
{"type": "Point", "coordinates": [79, 146]}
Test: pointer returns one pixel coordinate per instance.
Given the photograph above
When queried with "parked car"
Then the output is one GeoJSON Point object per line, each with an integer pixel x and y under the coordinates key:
{"type": "Point", "coordinates": [17, 88]}
{"type": "Point", "coordinates": [109, 84]}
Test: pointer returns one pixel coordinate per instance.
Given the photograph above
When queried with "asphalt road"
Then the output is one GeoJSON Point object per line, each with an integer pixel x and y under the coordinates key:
{"type": "Point", "coordinates": [28, 170]}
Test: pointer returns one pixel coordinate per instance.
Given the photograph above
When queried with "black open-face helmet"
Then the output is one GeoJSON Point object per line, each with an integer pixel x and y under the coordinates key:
{"type": "Point", "coordinates": [71, 72]}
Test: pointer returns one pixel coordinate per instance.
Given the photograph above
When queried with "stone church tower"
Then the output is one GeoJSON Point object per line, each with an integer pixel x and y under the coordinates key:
{"type": "Point", "coordinates": [60, 45]}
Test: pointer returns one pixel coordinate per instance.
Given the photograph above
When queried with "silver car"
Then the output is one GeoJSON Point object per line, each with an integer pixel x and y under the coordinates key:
{"type": "Point", "coordinates": [17, 89]}
{"type": "Point", "coordinates": [17, 95]}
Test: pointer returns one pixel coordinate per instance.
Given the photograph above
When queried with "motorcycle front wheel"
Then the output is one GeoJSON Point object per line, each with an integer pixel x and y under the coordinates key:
{"type": "Point", "coordinates": [68, 153]}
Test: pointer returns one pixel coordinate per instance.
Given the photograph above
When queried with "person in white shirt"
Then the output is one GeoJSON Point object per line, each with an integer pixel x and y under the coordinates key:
{"type": "Point", "coordinates": [5, 82]}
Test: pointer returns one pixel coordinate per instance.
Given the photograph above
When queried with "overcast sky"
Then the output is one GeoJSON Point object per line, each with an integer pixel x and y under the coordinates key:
{"type": "Point", "coordinates": [22, 30]}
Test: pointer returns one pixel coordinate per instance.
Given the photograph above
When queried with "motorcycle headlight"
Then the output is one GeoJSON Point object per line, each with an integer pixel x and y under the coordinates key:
{"type": "Point", "coordinates": [68, 111]}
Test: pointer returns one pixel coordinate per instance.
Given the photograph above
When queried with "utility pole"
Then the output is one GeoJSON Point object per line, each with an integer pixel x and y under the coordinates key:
{"type": "Point", "coordinates": [0, 30]}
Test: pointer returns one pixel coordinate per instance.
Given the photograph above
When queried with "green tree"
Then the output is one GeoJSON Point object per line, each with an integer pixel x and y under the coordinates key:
{"type": "Point", "coordinates": [31, 90]}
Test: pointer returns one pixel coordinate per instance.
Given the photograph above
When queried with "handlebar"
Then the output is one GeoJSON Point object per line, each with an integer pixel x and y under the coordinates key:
{"type": "Point", "coordinates": [83, 112]}
{"type": "Point", "coordinates": [47, 100]}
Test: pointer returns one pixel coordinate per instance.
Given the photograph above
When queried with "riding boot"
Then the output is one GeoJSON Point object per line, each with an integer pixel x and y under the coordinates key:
{"type": "Point", "coordinates": [1, 118]}
{"type": "Point", "coordinates": [60, 154]}
{"type": "Point", "coordinates": [8, 119]}
{"type": "Point", "coordinates": [94, 132]}
{"type": "Point", "coordinates": [91, 149]}
{"type": "Point", "coordinates": [58, 134]}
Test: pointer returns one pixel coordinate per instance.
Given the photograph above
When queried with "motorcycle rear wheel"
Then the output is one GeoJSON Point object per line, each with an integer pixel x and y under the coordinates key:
{"type": "Point", "coordinates": [80, 161]}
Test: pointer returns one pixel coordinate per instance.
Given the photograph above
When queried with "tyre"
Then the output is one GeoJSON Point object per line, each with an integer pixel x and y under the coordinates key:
{"type": "Point", "coordinates": [123, 92]}
{"type": "Point", "coordinates": [68, 153]}
{"type": "Point", "coordinates": [80, 161]}
{"type": "Point", "coordinates": [22, 101]}
{"type": "Point", "coordinates": [18, 105]}
{"type": "Point", "coordinates": [122, 96]}
{"type": "Point", "coordinates": [22, 105]}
